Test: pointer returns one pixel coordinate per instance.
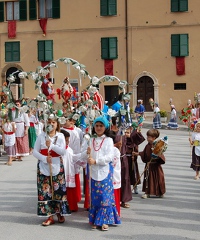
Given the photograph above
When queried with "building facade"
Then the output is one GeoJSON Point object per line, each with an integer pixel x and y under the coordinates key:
{"type": "Point", "coordinates": [154, 46]}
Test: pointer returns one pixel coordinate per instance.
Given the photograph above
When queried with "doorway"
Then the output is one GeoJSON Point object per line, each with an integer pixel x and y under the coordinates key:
{"type": "Point", "coordinates": [15, 89]}
{"type": "Point", "coordinates": [111, 94]}
{"type": "Point", "coordinates": [145, 90]}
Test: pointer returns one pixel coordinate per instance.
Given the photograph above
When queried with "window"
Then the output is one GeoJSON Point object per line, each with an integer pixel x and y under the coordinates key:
{"type": "Point", "coordinates": [109, 48]}
{"type": "Point", "coordinates": [45, 50]}
{"type": "Point", "coordinates": [179, 86]}
{"type": "Point", "coordinates": [1, 11]}
{"type": "Point", "coordinates": [179, 45]}
{"type": "Point", "coordinates": [12, 51]}
{"type": "Point", "coordinates": [179, 5]}
{"type": "Point", "coordinates": [108, 7]}
{"type": "Point", "coordinates": [16, 10]}
{"type": "Point", "coordinates": [47, 8]}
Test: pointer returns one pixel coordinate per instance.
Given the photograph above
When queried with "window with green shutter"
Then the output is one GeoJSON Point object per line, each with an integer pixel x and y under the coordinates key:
{"type": "Point", "coordinates": [12, 51]}
{"type": "Point", "coordinates": [45, 50]}
{"type": "Point", "coordinates": [179, 5]}
{"type": "Point", "coordinates": [179, 45]}
{"type": "Point", "coordinates": [108, 7]}
{"type": "Point", "coordinates": [109, 49]}
{"type": "Point", "coordinates": [32, 10]}
{"type": "Point", "coordinates": [1, 11]}
{"type": "Point", "coordinates": [23, 10]}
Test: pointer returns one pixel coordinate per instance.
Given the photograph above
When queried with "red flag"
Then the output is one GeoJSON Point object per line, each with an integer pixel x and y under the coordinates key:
{"type": "Point", "coordinates": [108, 67]}
{"type": "Point", "coordinates": [11, 29]}
{"type": "Point", "coordinates": [43, 25]}
{"type": "Point", "coordinates": [180, 65]}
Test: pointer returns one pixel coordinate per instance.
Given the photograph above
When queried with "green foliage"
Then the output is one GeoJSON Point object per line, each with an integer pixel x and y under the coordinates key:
{"type": "Point", "coordinates": [163, 113]}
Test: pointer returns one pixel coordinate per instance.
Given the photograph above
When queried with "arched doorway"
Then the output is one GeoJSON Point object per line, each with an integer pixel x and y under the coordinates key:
{"type": "Point", "coordinates": [15, 87]}
{"type": "Point", "coordinates": [145, 90]}
{"type": "Point", "coordinates": [151, 90]}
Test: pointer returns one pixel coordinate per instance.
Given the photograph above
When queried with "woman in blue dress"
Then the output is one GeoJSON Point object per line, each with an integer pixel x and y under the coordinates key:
{"type": "Point", "coordinates": [102, 210]}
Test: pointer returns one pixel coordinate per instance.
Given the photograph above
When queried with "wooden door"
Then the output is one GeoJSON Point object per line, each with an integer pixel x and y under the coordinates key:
{"type": "Point", "coordinates": [145, 90]}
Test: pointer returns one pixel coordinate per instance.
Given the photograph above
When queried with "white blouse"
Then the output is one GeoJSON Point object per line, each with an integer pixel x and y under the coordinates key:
{"type": "Point", "coordinates": [57, 145]}
{"type": "Point", "coordinates": [102, 151]}
{"type": "Point", "coordinates": [117, 169]}
{"type": "Point", "coordinates": [196, 137]}
{"type": "Point", "coordinates": [9, 140]}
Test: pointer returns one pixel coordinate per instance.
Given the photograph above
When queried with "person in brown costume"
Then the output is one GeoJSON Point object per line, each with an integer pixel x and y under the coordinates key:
{"type": "Point", "coordinates": [133, 142]}
{"type": "Point", "coordinates": [154, 181]}
{"type": "Point", "coordinates": [126, 153]}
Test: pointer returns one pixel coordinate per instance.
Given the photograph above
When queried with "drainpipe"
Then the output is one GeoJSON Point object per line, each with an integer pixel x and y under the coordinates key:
{"type": "Point", "coordinates": [126, 29]}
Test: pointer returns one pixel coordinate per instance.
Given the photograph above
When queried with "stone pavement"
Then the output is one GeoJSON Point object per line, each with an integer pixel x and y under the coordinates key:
{"type": "Point", "coordinates": [174, 217]}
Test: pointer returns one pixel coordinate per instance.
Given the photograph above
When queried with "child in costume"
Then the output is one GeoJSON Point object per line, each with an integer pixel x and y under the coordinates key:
{"type": "Point", "coordinates": [154, 181]}
{"type": "Point", "coordinates": [32, 131]}
{"type": "Point", "coordinates": [195, 141]}
{"type": "Point", "coordinates": [156, 117]}
{"type": "Point", "coordinates": [102, 210]}
{"type": "Point", "coordinates": [8, 139]}
{"type": "Point", "coordinates": [117, 172]}
{"type": "Point", "coordinates": [173, 119]}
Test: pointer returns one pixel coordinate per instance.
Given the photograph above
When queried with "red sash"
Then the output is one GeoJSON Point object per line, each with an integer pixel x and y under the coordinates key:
{"type": "Point", "coordinates": [8, 133]}
{"type": "Point", "coordinates": [51, 152]}
{"type": "Point", "coordinates": [31, 124]}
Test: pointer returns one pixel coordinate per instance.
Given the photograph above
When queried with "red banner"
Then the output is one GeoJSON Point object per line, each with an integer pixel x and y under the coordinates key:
{"type": "Point", "coordinates": [108, 67]}
{"type": "Point", "coordinates": [11, 29]}
{"type": "Point", "coordinates": [180, 65]}
{"type": "Point", "coordinates": [43, 25]}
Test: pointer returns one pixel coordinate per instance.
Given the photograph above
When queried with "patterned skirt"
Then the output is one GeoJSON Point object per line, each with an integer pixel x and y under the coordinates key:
{"type": "Point", "coordinates": [103, 209]}
{"type": "Point", "coordinates": [50, 204]}
{"type": "Point", "coordinates": [22, 146]}
{"type": "Point", "coordinates": [172, 124]}
{"type": "Point", "coordinates": [156, 121]}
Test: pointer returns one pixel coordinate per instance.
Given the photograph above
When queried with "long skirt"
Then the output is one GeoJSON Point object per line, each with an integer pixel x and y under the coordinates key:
{"type": "Point", "coordinates": [10, 150]}
{"type": "Point", "coordinates": [22, 146]}
{"type": "Point", "coordinates": [50, 204]}
{"type": "Point", "coordinates": [195, 165]}
{"type": "Point", "coordinates": [157, 121]}
{"type": "Point", "coordinates": [32, 136]}
{"type": "Point", "coordinates": [103, 209]}
{"type": "Point", "coordinates": [172, 124]}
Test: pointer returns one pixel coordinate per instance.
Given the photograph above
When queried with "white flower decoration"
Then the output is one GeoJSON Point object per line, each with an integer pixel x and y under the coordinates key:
{"type": "Point", "coordinates": [39, 83]}
{"type": "Point", "coordinates": [95, 80]}
{"type": "Point", "coordinates": [11, 78]}
{"type": "Point", "coordinates": [44, 72]}
{"type": "Point", "coordinates": [123, 112]}
{"type": "Point", "coordinates": [22, 75]}
{"type": "Point", "coordinates": [82, 108]}
{"type": "Point", "coordinates": [66, 61]}
{"type": "Point", "coordinates": [75, 116]}
{"type": "Point", "coordinates": [122, 84]}
{"type": "Point", "coordinates": [87, 121]}
{"type": "Point", "coordinates": [111, 112]}
{"type": "Point", "coordinates": [62, 120]}
{"type": "Point", "coordinates": [89, 103]}
{"type": "Point", "coordinates": [82, 72]}
{"type": "Point", "coordinates": [92, 90]}
{"type": "Point", "coordinates": [34, 76]}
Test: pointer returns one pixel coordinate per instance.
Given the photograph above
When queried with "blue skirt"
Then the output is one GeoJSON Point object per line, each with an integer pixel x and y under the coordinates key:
{"type": "Point", "coordinates": [103, 209]}
{"type": "Point", "coordinates": [172, 124]}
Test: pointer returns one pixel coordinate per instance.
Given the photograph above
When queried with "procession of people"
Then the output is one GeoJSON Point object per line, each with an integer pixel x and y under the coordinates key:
{"type": "Point", "coordinates": [82, 137]}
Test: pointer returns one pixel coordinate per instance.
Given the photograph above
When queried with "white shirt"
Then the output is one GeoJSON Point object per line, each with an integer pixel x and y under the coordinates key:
{"type": "Point", "coordinates": [9, 140]}
{"type": "Point", "coordinates": [57, 145]}
{"type": "Point", "coordinates": [102, 151]}
{"type": "Point", "coordinates": [69, 160]}
{"type": "Point", "coordinates": [117, 169]}
{"type": "Point", "coordinates": [196, 136]}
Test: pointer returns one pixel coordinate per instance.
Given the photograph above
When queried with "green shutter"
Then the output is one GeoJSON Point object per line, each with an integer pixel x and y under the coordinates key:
{"type": "Point", "coordinates": [16, 51]}
{"type": "Point", "coordinates": [23, 10]}
{"type": "Point", "coordinates": [174, 5]}
{"type": "Point", "coordinates": [183, 5]}
{"type": "Point", "coordinates": [175, 45]}
{"type": "Point", "coordinates": [184, 51]}
{"type": "Point", "coordinates": [49, 50]}
{"type": "Point", "coordinates": [104, 7]}
{"type": "Point", "coordinates": [113, 52]}
{"type": "Point", "coordinates": [104, 48]}
{"type": "Point", "coordinates": [41, 50]}
{"type": "Point", "coordinates": [1, 11]}
{"type": "Point", "coordinates": [55, 8]}
{"type": "Point", "coordinates": [32, 10]}
{"type": "Point", "coordinates": [12, 51]}
{"type": "Point", "coordinates": [112, 7]}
